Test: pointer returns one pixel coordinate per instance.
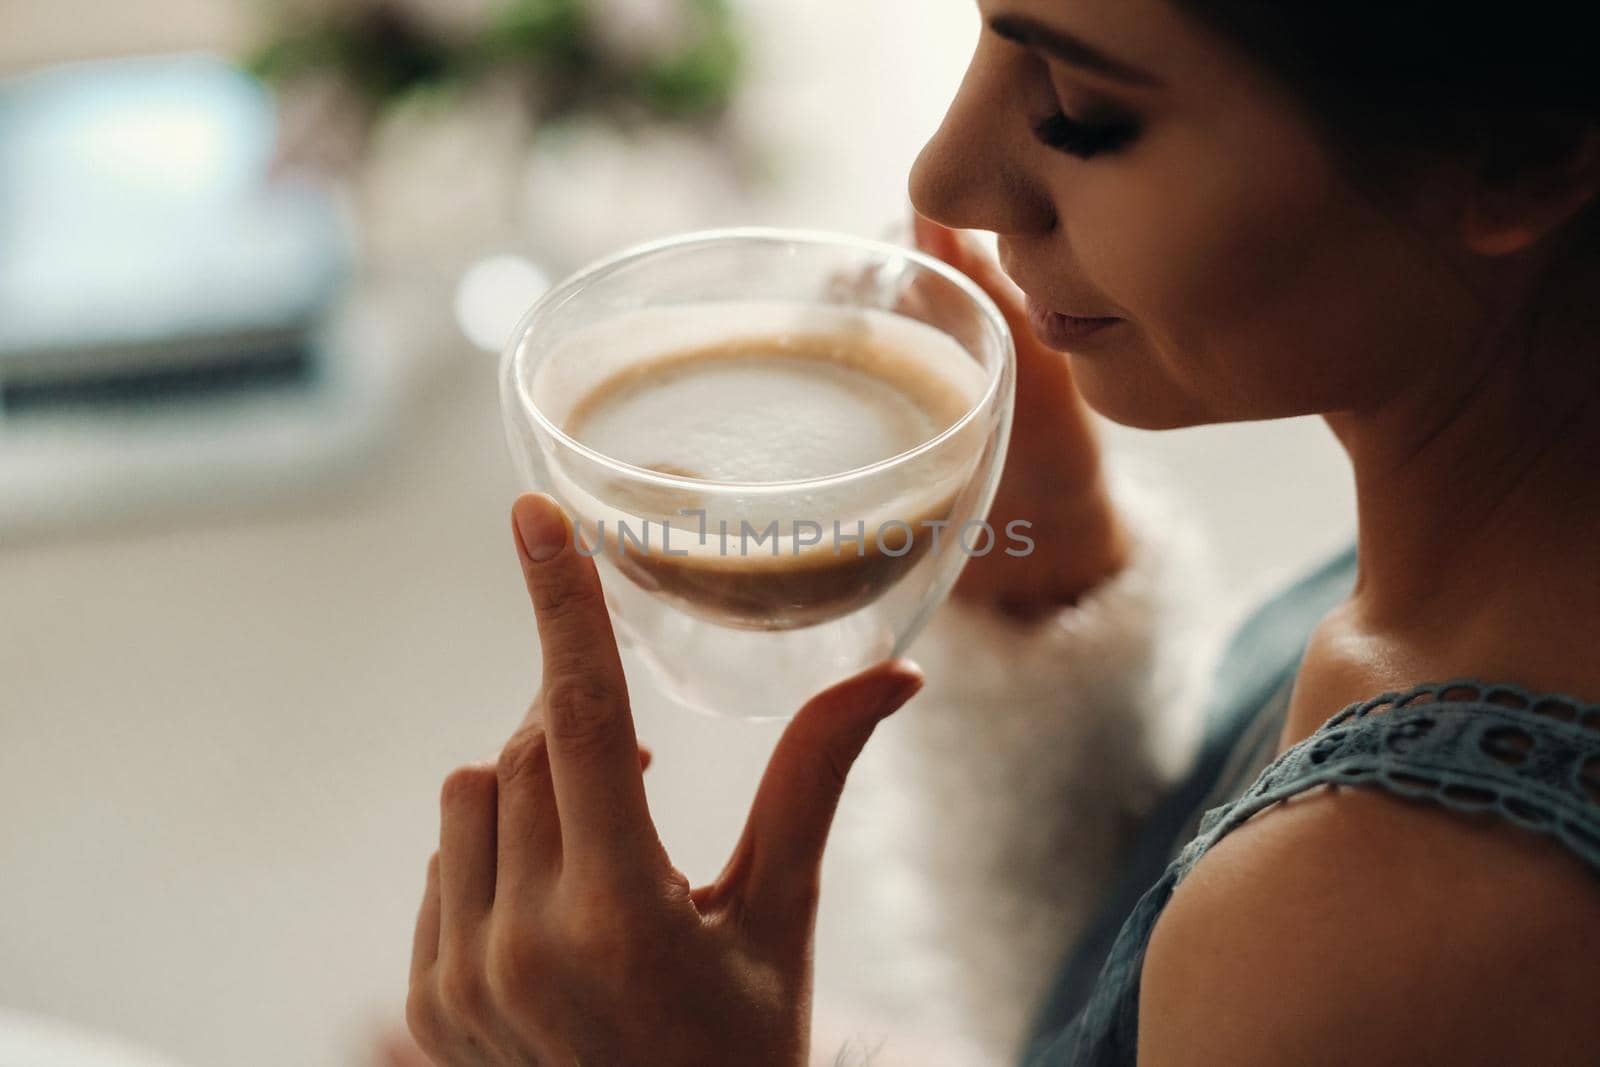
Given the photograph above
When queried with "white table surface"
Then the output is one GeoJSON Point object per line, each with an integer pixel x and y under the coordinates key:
{"type": "Point", "coordinates": [31, 1041]}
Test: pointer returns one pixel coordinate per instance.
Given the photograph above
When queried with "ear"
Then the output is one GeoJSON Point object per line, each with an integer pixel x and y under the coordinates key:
{"type": "Point", "coordinates": [1533, 178]}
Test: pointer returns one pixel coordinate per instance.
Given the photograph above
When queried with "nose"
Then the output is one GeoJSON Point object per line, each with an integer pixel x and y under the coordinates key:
{"type": "Point", "coordinates": [972, 174]}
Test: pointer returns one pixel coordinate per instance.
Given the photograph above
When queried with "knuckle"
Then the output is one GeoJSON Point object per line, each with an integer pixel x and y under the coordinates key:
{"type": "Point", "coordinates": [836, 754]}
{"type": "Point", "coordinates": [602, 949]}
{"type": "Point", "coordinates": [462, 993]}
{"type": "Point", "coordinates": [560, 598]}
{"type": "Point", "coordinates": [599, 930]}
{"type": "Point", "coordinates": [524, 756]}
{"type": "Point", "coordinates": [580, 713]}
{"type": "Point", "coordinates": [835, 767]}
{"type": "Point", "coordinates": [466, 785]}
{"type": "Point", "coordinates": [514, 965]}
{"type": "Point", "coordinates": [422, 1016]}
{"type": "Point", "coordinates": [574, 663]}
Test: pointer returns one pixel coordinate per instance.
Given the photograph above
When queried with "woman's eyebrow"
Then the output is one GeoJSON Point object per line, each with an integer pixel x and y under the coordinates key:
{"type": "Point", "coordinates": [1069, 49]}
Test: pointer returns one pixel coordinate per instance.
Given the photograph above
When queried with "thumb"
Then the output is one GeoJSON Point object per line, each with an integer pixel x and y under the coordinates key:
{"type": "Point", "coordinates": [778, 862]}
{"type": "Point", "coordinates": [936, 239]}
{"type": "Point", "coordinates": [962, 250]}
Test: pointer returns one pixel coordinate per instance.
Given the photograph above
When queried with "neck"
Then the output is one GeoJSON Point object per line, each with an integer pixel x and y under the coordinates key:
{"type": "Point", "coordinates": [1478, 500]}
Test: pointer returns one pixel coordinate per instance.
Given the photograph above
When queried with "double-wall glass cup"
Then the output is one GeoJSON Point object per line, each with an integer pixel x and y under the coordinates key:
{"type": "Point", "coordinates": [779, 446]}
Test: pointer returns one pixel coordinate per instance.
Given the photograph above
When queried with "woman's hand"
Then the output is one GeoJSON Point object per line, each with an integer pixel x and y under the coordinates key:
{"type": "Point", "coordinates": [555, 931]}
{"type": "Point", "coordinates": [1052, 478]}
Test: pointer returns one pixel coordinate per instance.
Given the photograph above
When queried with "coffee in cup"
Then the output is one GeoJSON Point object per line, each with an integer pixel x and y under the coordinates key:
{"type": "Point", "coordinates": [764, 398]}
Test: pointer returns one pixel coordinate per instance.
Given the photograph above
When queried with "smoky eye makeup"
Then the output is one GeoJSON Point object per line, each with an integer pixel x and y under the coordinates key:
{"type": "Point", "coordinates": [1078, 123]}
{"type": "Point", "coordinates": [1101, 131]}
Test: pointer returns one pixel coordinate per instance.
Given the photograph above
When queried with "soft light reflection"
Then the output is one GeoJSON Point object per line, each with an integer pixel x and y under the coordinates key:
{"type": "Point", "coordinates": [493, 295]}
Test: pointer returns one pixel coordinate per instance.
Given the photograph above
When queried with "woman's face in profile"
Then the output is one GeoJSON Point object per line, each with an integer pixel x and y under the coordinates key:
{"type": "Point", "coordinates": [1138, 166]}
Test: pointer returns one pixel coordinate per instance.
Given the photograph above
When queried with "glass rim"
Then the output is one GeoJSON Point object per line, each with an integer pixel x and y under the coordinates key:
{"type": "Point", "coordinates": [575, 284]}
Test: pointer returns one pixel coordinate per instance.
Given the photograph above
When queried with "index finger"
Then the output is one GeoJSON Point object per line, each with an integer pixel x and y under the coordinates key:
{"type": "Point", "coordinates": [594, 753]}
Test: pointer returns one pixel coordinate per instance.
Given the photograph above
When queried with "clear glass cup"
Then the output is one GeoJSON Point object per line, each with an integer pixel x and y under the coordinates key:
{"type": "Point", "coordinates": [747, 596]}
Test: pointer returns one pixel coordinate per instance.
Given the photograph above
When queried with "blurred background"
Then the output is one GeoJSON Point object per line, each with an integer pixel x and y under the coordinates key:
{"type": "Point", "coordinates": [257, 593]}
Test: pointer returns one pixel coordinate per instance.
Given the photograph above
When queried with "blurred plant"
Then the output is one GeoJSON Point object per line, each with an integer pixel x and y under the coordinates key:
{"type": "Point", "coordinates": [558, 129]}
{"type": "Point", "coordinates": [653, 60]}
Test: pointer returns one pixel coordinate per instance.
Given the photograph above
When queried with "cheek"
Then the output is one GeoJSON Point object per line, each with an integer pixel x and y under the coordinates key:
{"type": "Point", "coordinates": [1257, 286]}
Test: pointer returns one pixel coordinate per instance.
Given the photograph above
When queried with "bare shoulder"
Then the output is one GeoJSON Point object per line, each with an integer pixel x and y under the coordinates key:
{"type": "Point", "coordinates": [1349, 926]}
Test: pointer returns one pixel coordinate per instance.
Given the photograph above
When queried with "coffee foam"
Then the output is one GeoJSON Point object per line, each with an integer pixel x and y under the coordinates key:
{"type": "Point", "coordinates": [755, 394]}
{"type": "Point", "coordinates": [767, 409]}
{"type": "Point", "coordinates": [879, 367]}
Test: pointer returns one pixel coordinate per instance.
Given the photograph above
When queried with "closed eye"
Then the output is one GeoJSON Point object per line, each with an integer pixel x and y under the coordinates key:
{"type": "Point", "coordinates": [1085, 139]}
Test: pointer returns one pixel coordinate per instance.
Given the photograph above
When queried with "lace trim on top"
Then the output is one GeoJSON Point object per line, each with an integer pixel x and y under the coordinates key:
{"type": "Point", "coordinates": [1533, 759]}
{"type": "Point", "coordinates": [1467, 746]}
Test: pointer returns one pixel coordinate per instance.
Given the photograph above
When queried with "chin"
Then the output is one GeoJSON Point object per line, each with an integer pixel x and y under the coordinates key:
{"type": "Point", "coordinates": [1131, 400]}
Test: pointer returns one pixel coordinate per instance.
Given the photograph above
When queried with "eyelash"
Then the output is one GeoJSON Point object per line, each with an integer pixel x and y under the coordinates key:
{"type": "Point", "coordinates": [1085, 139]}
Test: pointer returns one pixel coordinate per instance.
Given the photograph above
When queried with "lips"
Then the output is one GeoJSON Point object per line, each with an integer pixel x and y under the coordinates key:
{"type": "Point", "coordinates": [1061, 332]}
{"type": "Point", "coordinates": [1054, 329]}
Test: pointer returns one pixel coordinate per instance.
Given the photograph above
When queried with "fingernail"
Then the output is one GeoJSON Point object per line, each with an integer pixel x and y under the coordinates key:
{"type": "Point", "coordinates": [542, 526]}
{"type": "Point", "coordinates": [902, 688]}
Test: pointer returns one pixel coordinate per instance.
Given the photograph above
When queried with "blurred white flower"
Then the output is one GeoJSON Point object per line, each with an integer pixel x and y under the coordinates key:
{"type": "Point", "coordinates": [443, 179]}
{"type": "Point", "coordinates": [637, 32]}
{"type": "Point", "coordinates": [591, 189]}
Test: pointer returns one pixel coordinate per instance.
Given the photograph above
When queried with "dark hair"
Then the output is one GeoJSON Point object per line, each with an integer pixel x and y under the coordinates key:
{"type": "Point", "coordinates": [1395, 79]}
